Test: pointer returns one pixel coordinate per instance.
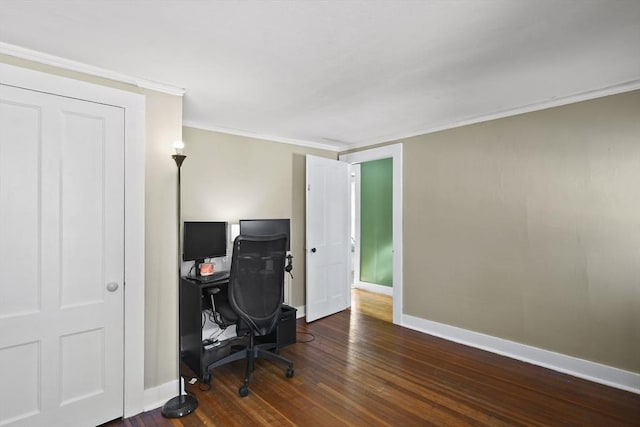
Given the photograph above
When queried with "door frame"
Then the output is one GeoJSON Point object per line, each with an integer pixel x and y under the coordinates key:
{"type": "Point", "coordinates": [133, 105]}
{"type": "Point", "coordinates": [394, 152]}
{"type": "Point", "coordinates": [355, 231]}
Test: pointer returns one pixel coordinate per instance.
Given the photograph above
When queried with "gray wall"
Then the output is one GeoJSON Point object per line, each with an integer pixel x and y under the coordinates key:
{"type": "Point", "coordinates": [528, 228]}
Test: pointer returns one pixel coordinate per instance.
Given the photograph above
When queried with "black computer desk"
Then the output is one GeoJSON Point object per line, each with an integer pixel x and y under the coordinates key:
{"type": "Point", "coordinates": [194, 300]}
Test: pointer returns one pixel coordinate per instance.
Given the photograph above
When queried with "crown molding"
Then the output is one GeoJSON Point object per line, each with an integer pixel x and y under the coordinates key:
{"type": "Point", "coordinates": [310, 144]}
{"type": "Point", "coordinates": [67, 64]}
{"type": "Point", "coordinates": [615, 89]}
{"type": "Point", "coordinates": [40, 57]}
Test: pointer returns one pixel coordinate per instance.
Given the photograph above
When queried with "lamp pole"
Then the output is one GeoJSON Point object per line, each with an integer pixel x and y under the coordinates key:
{"type": "Point", "coordinates": [182, 404]}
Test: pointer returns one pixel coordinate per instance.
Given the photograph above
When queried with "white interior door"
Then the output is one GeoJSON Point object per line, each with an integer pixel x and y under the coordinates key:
{"type": "Point", "coordinates": [328, 247]}
{"type": "Point", "coordinates": [61, 260]}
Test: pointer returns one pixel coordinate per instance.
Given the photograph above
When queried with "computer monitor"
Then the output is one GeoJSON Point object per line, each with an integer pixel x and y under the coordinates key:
{"type": "Point", "coordinates": [204, 239]}
{"type": "Point", "coordinates": [266, 227]}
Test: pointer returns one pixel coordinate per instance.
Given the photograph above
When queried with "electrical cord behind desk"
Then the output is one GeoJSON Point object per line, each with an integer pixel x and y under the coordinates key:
{"type": "Point", "coordinates": [213, 336]}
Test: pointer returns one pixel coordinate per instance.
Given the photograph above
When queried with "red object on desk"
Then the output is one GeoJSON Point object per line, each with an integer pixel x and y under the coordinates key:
{"type": "Point", "coordinates": [206, 269]}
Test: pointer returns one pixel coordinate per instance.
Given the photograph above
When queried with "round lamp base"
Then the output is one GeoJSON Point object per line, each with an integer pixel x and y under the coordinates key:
{"type": "Point", "coordinates": [179, 406]}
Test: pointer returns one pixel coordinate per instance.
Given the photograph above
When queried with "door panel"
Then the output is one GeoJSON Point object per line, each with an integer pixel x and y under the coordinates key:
{"type": "Point", "coordinates": [81, 370]}
{"type": "Point", "coordinates": [62, 227]}
{"type": "Point", "coordinates": [82, 208]}
{"type": "Point", "coordinates": [19, 203]}
{"type": "Point", "coordinates": [328, 243]}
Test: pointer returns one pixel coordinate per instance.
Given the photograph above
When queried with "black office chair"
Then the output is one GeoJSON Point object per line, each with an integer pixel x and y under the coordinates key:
{"type": "Point", "coordinates": [256, 290]}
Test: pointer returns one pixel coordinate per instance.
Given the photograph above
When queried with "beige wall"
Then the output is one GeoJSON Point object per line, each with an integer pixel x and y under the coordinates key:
{"type": "Point", "coordinates": [528, 228]}
{"type": "Point", "coordinates": [227, 178]}
{"type": "Point", "coordinates": [163, 126]}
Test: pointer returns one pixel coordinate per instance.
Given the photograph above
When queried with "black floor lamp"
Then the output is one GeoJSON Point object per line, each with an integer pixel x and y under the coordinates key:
{"type": "Point", "coordinates": [182, 404]}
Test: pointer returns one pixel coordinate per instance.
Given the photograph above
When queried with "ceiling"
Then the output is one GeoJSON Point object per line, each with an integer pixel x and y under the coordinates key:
{"type": "Point", "coordinates": [341, 74]}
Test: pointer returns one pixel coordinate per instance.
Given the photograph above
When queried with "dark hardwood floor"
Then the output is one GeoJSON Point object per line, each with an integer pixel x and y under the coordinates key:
{"type": "Point", "coordinates": [356, 369]}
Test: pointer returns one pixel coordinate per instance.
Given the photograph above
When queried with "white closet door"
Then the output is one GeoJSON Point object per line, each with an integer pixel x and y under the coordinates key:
{"type": "Point", "coordinates": [61, 260]}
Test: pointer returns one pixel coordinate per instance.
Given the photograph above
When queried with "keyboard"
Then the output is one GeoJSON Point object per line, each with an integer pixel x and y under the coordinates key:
{"type": "Point", "coordinates": [216, 276]}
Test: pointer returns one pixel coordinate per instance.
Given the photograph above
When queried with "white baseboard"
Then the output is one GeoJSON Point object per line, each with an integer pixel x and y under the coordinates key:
{"type": "Point", "coordinates": [302, 311]}
{"type": "Point", "coordinates": [375, 288]}
{"type": "Point", "coordinates": [157, 396]}
{"type": "Point", "coordinates": [603, 374]}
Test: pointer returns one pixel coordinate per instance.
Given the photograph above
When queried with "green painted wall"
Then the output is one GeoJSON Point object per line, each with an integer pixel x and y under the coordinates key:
{"type": "Point", "coordinates": [376, 222]}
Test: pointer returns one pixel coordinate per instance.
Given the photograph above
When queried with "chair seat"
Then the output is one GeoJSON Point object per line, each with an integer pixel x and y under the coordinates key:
{"type": "Point", "coordinates": [227, 313]}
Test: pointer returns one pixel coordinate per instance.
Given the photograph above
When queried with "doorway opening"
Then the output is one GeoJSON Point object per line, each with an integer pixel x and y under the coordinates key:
{"type": "Point", "coordinates": [372, 238]}
{"type": "Point", "coordinates": [376, 269]}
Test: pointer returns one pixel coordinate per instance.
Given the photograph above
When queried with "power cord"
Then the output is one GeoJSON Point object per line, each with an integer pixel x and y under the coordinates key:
{"type": "Point", "coordinates": [307, 340]}
{"type": "Point", "coordinates": [191, 269]}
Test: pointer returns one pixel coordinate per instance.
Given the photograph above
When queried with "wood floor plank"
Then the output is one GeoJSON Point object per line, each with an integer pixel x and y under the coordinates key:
{"type": "Point", "coordinates": [356, 368]}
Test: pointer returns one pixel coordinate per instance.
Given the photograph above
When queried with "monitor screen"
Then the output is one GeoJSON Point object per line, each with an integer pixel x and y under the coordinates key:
{"type": "Point", "coordinates": [204, 240]}
{"type": "Point", "coordinates": [265, 227]}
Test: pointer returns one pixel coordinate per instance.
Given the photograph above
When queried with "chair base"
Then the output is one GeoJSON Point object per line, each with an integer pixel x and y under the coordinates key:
{"type": "Point", "coordinates": [250, 353]}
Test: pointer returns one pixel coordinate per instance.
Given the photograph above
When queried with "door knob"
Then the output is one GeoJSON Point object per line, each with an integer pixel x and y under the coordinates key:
{"type": "Point", "coordinates": [313, 250]}
{"type": "Point", "coordinates": [112, 286]}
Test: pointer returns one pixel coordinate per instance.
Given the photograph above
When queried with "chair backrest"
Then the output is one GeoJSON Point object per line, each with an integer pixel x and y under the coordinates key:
{"type": "Point", "coordinates": [256, 281]}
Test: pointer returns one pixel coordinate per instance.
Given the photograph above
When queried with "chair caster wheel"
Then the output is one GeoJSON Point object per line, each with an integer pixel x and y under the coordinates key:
{"type": "Point", "coordinates": [243, 391]}
{"type": "Point", "coordinates": [290, 372]}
